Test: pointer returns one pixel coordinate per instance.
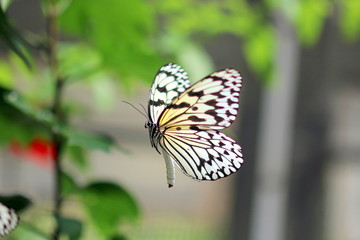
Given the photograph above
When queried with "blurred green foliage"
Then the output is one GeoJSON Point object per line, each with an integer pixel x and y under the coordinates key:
{"type": "Point", "coordinates": [350, 19]}
{"type": "Point", "coordinates": [119, 32]}
{"type": "Point", "coordinates": [116, 44]}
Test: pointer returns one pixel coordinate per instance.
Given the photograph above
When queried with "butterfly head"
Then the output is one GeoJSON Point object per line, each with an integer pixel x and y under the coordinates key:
{"type": "Point", "coordinates": [148, 124]}
{"type": "Point", "coordinates": [154, 134]}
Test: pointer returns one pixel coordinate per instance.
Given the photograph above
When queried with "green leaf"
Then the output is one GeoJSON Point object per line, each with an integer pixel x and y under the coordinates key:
{"type": "Point", "coordinates": [17, 119]}
{"type": "Point", "coordinates": [350, 18]}
{"type": "Point", "coordinates": [6, 77]}
{"type": "Point", "coordinates": [17, 202]}
{"type": "Point", "coordinates": [4, 4]}
{"type": "Point", "coordinates": [78, 61]}
{"type": "Point", "coordinates": [12, 38]}
{"type": "Point", "coordinates": [78, 156]}
{"type": "Point", "coordinates": [26, 231]}
{"type": "Point", "coordinates": [45, 120]}
{"type": "Point", "coordinates": [41, 116]}
{"type": "Point", "coordinates": [71, 227]}
{"type": "Point", "coordinates": [310, 20]}
{"type": "Point", "coordinates": [68, 185]}
{"type": "Point", "coordinates": [118, 237]}
{"type": "Point", "coordinates": [87, 140]}
{"type": "Point", "coordinates": [13, 130]}
{"type": "Point", "coordinates": [259, 50]}
{"type": "Point", "coordinates": [108, 205]}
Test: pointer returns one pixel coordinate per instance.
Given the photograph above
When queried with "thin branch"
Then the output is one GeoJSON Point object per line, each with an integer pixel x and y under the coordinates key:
{"type": "Point", "coordinates": [59, 142]}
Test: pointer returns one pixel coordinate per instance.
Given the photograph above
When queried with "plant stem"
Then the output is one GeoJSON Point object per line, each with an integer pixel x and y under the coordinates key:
{"type": "Point", "coordinates": [59, 142]}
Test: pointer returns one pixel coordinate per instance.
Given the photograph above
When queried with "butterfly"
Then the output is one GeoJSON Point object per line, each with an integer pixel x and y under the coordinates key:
{"type": "Point", "coordinates": [183, 122]}
{"type": "Point", "coordinates": [8, 220]}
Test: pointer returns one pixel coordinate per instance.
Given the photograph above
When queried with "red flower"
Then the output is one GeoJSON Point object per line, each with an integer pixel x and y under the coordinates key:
{"type": "Point", "coordinates": [39, 150]}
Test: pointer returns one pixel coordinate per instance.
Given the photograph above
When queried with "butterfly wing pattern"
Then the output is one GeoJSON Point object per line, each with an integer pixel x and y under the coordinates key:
{"type": "Point", "coordinates": [8, 220]}
{"type": "Point", "coordinates": [170, 81]}
{"type": "Point", "coordinates": [184, 122]}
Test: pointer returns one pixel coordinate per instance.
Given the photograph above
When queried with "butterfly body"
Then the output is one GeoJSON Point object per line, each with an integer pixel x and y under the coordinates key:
{"type": "Point", "coordinates": [184, 121]}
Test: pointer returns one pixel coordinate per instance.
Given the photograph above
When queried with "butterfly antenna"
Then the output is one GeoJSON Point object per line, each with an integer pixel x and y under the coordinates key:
{"type": "Point", "coordinates": [137, 109]}
{"type": "Point", "coordinates": [144, 108]}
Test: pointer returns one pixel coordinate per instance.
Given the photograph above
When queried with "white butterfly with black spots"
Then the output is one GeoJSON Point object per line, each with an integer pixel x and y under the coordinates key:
{"type": "Point", "coordinates": [183, 122]}
{"type": "Point", "coordinates": [8, 220]}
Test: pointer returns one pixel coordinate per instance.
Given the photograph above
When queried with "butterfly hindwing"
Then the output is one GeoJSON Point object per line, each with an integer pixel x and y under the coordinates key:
{"type": "Point", "coordinates": [8, 220]}
{"type": "Point", "coordinates": [211, 103]}
{"type": "Point", "coordinates": [203, 155]}
{"type": "Point", "coordinates": [170, 81]}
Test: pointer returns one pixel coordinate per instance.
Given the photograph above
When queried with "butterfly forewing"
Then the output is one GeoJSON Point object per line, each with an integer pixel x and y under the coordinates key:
{"type": "Point", "coordinates": [211, 103]}
{"type": "Point", "coordinates": [8, 220]}
{"type": "Point", "coordinates": [169, 82]}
